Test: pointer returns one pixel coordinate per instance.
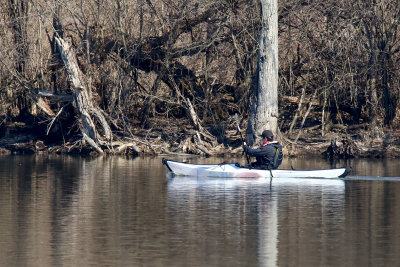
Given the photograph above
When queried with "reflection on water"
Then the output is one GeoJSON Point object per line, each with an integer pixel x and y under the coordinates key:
{"type": "Point", "coordinates": [250, 210]}
{"type": "Point", "coordinates": [113, 211]}
{"type": "Point", "coordinates": [67, 210]}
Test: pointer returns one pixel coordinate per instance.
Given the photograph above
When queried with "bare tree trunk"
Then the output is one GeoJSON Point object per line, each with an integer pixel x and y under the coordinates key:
{"type": "Point", "coordinates": [324, 115]}
{"type": "Point", "coordinates": [375, 107]}
{"type": "Point", "coordinates": [372, 77]}
{"type": "Point", "coordinates": [82, 98]}
{"type": "Point", "coordinates": [264, 111]}
{"type": "Point", "coordinates": [58, 31]}
{"type": "Point", "coordinates": [19, 10]}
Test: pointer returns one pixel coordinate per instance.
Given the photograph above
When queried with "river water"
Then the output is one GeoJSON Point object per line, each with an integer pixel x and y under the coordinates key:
{"type": "Point", "coordinates": [115, 211]}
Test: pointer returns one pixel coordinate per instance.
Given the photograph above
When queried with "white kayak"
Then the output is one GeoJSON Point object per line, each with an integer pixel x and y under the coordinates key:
{"type": "Point", "coordinates": [233, 170]}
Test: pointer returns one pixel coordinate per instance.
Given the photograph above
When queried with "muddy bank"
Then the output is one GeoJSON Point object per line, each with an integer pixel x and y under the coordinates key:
{"type": "Point", "coordinates": [171, 140]}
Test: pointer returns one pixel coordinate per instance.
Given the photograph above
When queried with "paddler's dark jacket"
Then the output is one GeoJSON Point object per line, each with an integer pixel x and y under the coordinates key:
{"type": "Point", "coordinates": [264, 155]}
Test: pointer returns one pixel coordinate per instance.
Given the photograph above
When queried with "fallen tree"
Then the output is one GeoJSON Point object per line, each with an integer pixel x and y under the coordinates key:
{"type": "Point", "coordinates": [84, 104]}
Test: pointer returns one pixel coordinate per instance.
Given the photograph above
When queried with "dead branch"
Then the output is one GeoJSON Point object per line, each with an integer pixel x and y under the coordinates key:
{"type": "Point", "coordinates": [43, 105]}
{"type": "Point", "coordinates": [92, 143]}
{"type": "Point", "coordinates": [54, 118]}
{"type": "Point", "coordinates": [310, 105]}
{"type": "Point", "coordinates": [56, 97]}
{"type": "Point", "coordinates": [298, 111]}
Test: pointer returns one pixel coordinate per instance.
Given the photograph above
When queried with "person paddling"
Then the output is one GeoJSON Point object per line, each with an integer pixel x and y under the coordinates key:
{"type": "Point", "coordinates": [268, 155]}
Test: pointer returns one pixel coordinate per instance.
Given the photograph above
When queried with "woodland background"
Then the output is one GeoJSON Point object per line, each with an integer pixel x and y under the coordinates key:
{"type": "Point", "coordinates": [149, 63]}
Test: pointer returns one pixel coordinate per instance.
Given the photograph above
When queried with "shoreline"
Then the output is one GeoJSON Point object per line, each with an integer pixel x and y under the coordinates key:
{"type": "Point", "coordinates": [333, 145]}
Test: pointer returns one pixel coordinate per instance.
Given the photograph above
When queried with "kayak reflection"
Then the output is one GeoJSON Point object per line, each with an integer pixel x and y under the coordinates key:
{"type": "Point", "coordinates": [253, 217]}
{"type": "Point", "coordinates": [187, 182]}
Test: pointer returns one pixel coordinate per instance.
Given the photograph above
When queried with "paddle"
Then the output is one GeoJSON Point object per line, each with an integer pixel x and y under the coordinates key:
{"type": "Point", "coordinates": [241, 135]}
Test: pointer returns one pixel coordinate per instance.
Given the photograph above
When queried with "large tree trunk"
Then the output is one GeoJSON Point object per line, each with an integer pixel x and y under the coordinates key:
{"type": "Point", "coordinates": [264, 111]}
{"type": "Point", "coordinates": [82, 98]}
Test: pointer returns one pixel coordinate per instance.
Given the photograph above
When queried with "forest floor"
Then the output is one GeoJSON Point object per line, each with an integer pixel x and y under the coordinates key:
{"type": "Point", "coordinates": [175, 137]}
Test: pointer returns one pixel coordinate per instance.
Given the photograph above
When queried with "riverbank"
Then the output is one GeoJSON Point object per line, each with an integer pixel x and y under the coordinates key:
{"type": "Point", "coordinates": [173, 138]}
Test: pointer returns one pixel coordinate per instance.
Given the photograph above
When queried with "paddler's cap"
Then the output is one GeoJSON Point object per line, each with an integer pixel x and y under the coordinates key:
{"type": "Point", "coordinates": [267, 134]}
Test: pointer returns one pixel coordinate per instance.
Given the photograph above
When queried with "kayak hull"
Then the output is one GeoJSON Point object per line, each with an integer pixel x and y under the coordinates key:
{"type": "Point", "coordinates": [233, 170]}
